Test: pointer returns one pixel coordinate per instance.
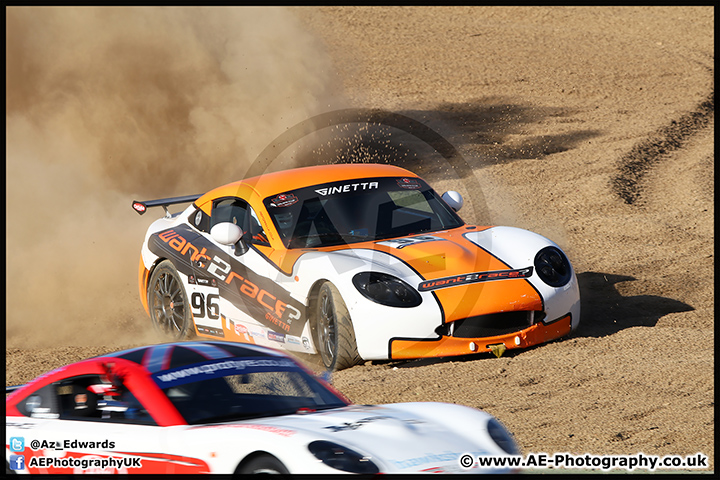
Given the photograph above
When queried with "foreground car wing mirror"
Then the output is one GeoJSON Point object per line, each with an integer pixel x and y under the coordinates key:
{"type": "Point", "coordinates": [454, 199]}
{"type": "Point", "coordinates": [226, 233]}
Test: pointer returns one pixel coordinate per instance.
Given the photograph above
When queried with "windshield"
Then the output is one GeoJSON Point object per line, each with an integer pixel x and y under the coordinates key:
{"type": "Point", "coordinates": [359, 210]}
{"type": "Point", "coordinates": [242, 388]}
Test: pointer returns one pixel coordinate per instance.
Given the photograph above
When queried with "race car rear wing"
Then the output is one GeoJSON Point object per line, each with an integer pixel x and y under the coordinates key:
{"type": "Point", "coordinates": [141, 207]}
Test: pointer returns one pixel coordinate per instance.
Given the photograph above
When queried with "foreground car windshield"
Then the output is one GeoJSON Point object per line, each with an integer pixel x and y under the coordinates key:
{"type": "Point", "coordinates": [358, 210]}
{"type": "Point", "coordinates": [242, 388]}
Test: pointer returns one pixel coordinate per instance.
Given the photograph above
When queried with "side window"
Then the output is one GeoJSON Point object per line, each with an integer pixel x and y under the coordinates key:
{"type": "Point", "coordinates": [257, 233]}
{"type": "Point", "coordinates": [40, 404]}
{"type": "Point", "coordinates": [231, 210]}
{"type": "Point", "coordinates": [237, 211]}
{"type": "Point", "coordinates": [89, 398]}
{"type": "Point", "coordinates": [200, 220]}
{"type": "Point", "coordinates": [411, 199]}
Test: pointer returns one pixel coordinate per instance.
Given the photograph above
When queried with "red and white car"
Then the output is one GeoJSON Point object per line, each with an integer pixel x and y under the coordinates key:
{"type": "Point", "coordinates": [222, 407]}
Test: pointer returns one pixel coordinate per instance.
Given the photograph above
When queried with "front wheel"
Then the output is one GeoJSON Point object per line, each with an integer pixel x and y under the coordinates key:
{"type": "Point", "coordinates": [334, 332]}
{"type": "Point", "coordinates": [266, 464]}
{"type": "Point", "coordinates": [169, 308]}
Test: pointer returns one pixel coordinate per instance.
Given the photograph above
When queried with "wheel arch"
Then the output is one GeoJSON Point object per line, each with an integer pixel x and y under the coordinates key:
{"type": "Point", "coordinates": [192, 332]}
{"type": "Point", "coordinates": [144, 275]}
{"type": "Point", "coordinates": [252, 456]}
{"type": "Point", "coordinates": [310, 305]}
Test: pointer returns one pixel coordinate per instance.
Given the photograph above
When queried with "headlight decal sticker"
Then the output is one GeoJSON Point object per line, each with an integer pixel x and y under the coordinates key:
{"type": "Point", "coordinates": [476, 277]}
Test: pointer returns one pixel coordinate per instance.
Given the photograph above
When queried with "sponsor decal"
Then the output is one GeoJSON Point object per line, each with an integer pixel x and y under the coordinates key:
{"type": "Point", "coordinates": [22, 425]}
{"type": "Point", "coordinates": [283, 200]}
{"type": "Point", "coordinates": [348, 187]}
{"type": "Point", "coordinates": [276, 337]}
{"type": "Point", "coordinates": [355, 425]}
{"type": "Point", "coordinates": [474, 278]}
{"type": "Point", "coordinates": [408, 183]}
{"type": "Point", "coordinates": [292, 339]}
{"type": "Point", "coordinates": [207, 282]}
{"type": "Point", "coordinates": [275, 311]}
{"type": "Point", "coordinates": [444, 457]}
{"type": "Point", "coordinates": [242, 331]}
{"type": "Point", "coordinates": [264, 428]}
{"type": "Point", "coordinates": [178, 243]}
{"type": "Point", "coordinates": [215, 332]}
{"type": "Point", "coordinates": [306, 343]}
{"type": "Point", "coordinates": [221, 368]}
{"type": "Point", "coordinates": [257, 333]}
{"type": "Point", "coordinates": [257, 296]}
{"type": "Point", "coordinates": [399, 243]}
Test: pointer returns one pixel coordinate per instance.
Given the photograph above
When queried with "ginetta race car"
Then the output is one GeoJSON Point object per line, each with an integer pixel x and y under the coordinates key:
{"type": "Point", "coordinates": [223, 407]}
{"type": "Point", "coordinates": [352, 261]}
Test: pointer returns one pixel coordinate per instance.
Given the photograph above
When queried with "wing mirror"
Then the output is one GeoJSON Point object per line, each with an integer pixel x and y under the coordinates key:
{"type": "Point", "coordinates": [454, 199]}
{"type": "Point", "coordinates": [226, 233]}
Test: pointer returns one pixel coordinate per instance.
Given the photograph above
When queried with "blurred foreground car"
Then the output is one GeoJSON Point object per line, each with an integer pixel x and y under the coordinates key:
{"type": "Point", "coordinates": [354, 262]}
{"type": "Point", "coordinates": [222, 407]}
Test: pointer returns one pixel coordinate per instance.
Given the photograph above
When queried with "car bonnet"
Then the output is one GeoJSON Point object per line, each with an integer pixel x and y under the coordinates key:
{"type": "Point", "coordinates": [467, 280]}
{"type": "Point", "coordinates": [396, 440]}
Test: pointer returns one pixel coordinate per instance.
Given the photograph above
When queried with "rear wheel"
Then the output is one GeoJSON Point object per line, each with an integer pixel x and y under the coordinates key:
{"type": "Point", "coordinates": [334, 332]}
{"type": "Point", "coordinates": [260, 464]}
{"type": "Point", "coordinates": [167, 300]}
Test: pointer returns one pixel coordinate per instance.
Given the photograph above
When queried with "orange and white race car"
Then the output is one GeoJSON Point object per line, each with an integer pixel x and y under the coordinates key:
{"type": "Point", "coordinates": [354, 262]}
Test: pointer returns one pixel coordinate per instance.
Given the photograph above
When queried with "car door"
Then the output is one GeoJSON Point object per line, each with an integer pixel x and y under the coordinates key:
{"type": "Point", "coordinates": [84, 427]}
{"type": "Point", "coordinates": [253, 305]}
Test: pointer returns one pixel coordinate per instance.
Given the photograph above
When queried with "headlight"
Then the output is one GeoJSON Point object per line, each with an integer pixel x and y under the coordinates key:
{"type": "Point", "coordinates": [553, 267]}
{"type": "Point", "coordinates": [502, 437]}
{"type": "Point", "coordinates": [342, 458]}
{"type": "Point", "coordinates": [386, 290]}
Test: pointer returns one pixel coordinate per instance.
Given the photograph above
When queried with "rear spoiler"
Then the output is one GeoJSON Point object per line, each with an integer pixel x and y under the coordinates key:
{"type": "Point", "coordinates": [141, 207]}
{"type": "Point", "coordinates": [9, 390]}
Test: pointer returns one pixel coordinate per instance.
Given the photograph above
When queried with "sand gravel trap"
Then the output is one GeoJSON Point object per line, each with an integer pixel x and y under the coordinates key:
{"type": "Point", "coordinates": [592, 126]}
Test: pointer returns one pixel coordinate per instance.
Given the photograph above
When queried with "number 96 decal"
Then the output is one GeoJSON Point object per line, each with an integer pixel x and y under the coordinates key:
{"type": "Point", "coordinates": [201, 307]}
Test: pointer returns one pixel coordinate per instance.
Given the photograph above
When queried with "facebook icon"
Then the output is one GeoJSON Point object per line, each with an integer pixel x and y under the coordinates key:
{"type": "Point", "coordinates": [17, 462]}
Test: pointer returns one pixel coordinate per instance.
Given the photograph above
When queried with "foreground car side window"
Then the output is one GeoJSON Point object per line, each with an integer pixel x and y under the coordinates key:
{"type": "Point", "coordinates": [40, 404]}
{"type": "Point", "coordinates": [89, 398]}
{"type": "Point", "coordinates": [243, 388]}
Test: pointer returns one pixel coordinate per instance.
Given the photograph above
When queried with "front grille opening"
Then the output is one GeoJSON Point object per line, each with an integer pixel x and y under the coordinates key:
{"type": "Point", "coordinates": [490, 325]}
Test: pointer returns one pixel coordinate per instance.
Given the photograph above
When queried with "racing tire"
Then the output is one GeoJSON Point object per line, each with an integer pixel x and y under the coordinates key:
{"type": "Point", "coordinates": [168, 303]}
{"type": "Point", "coordinates": [334, 332]}
{"type": "Point", "coordinates": [263, 464]}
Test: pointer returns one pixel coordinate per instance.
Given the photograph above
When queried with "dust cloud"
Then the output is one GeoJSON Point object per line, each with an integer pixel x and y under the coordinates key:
{"type": "Point", "coordinates": [107, 105]}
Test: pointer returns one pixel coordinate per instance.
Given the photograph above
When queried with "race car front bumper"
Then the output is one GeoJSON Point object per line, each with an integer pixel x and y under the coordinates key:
{"type": "Point", "coordinates": [447, 346]}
